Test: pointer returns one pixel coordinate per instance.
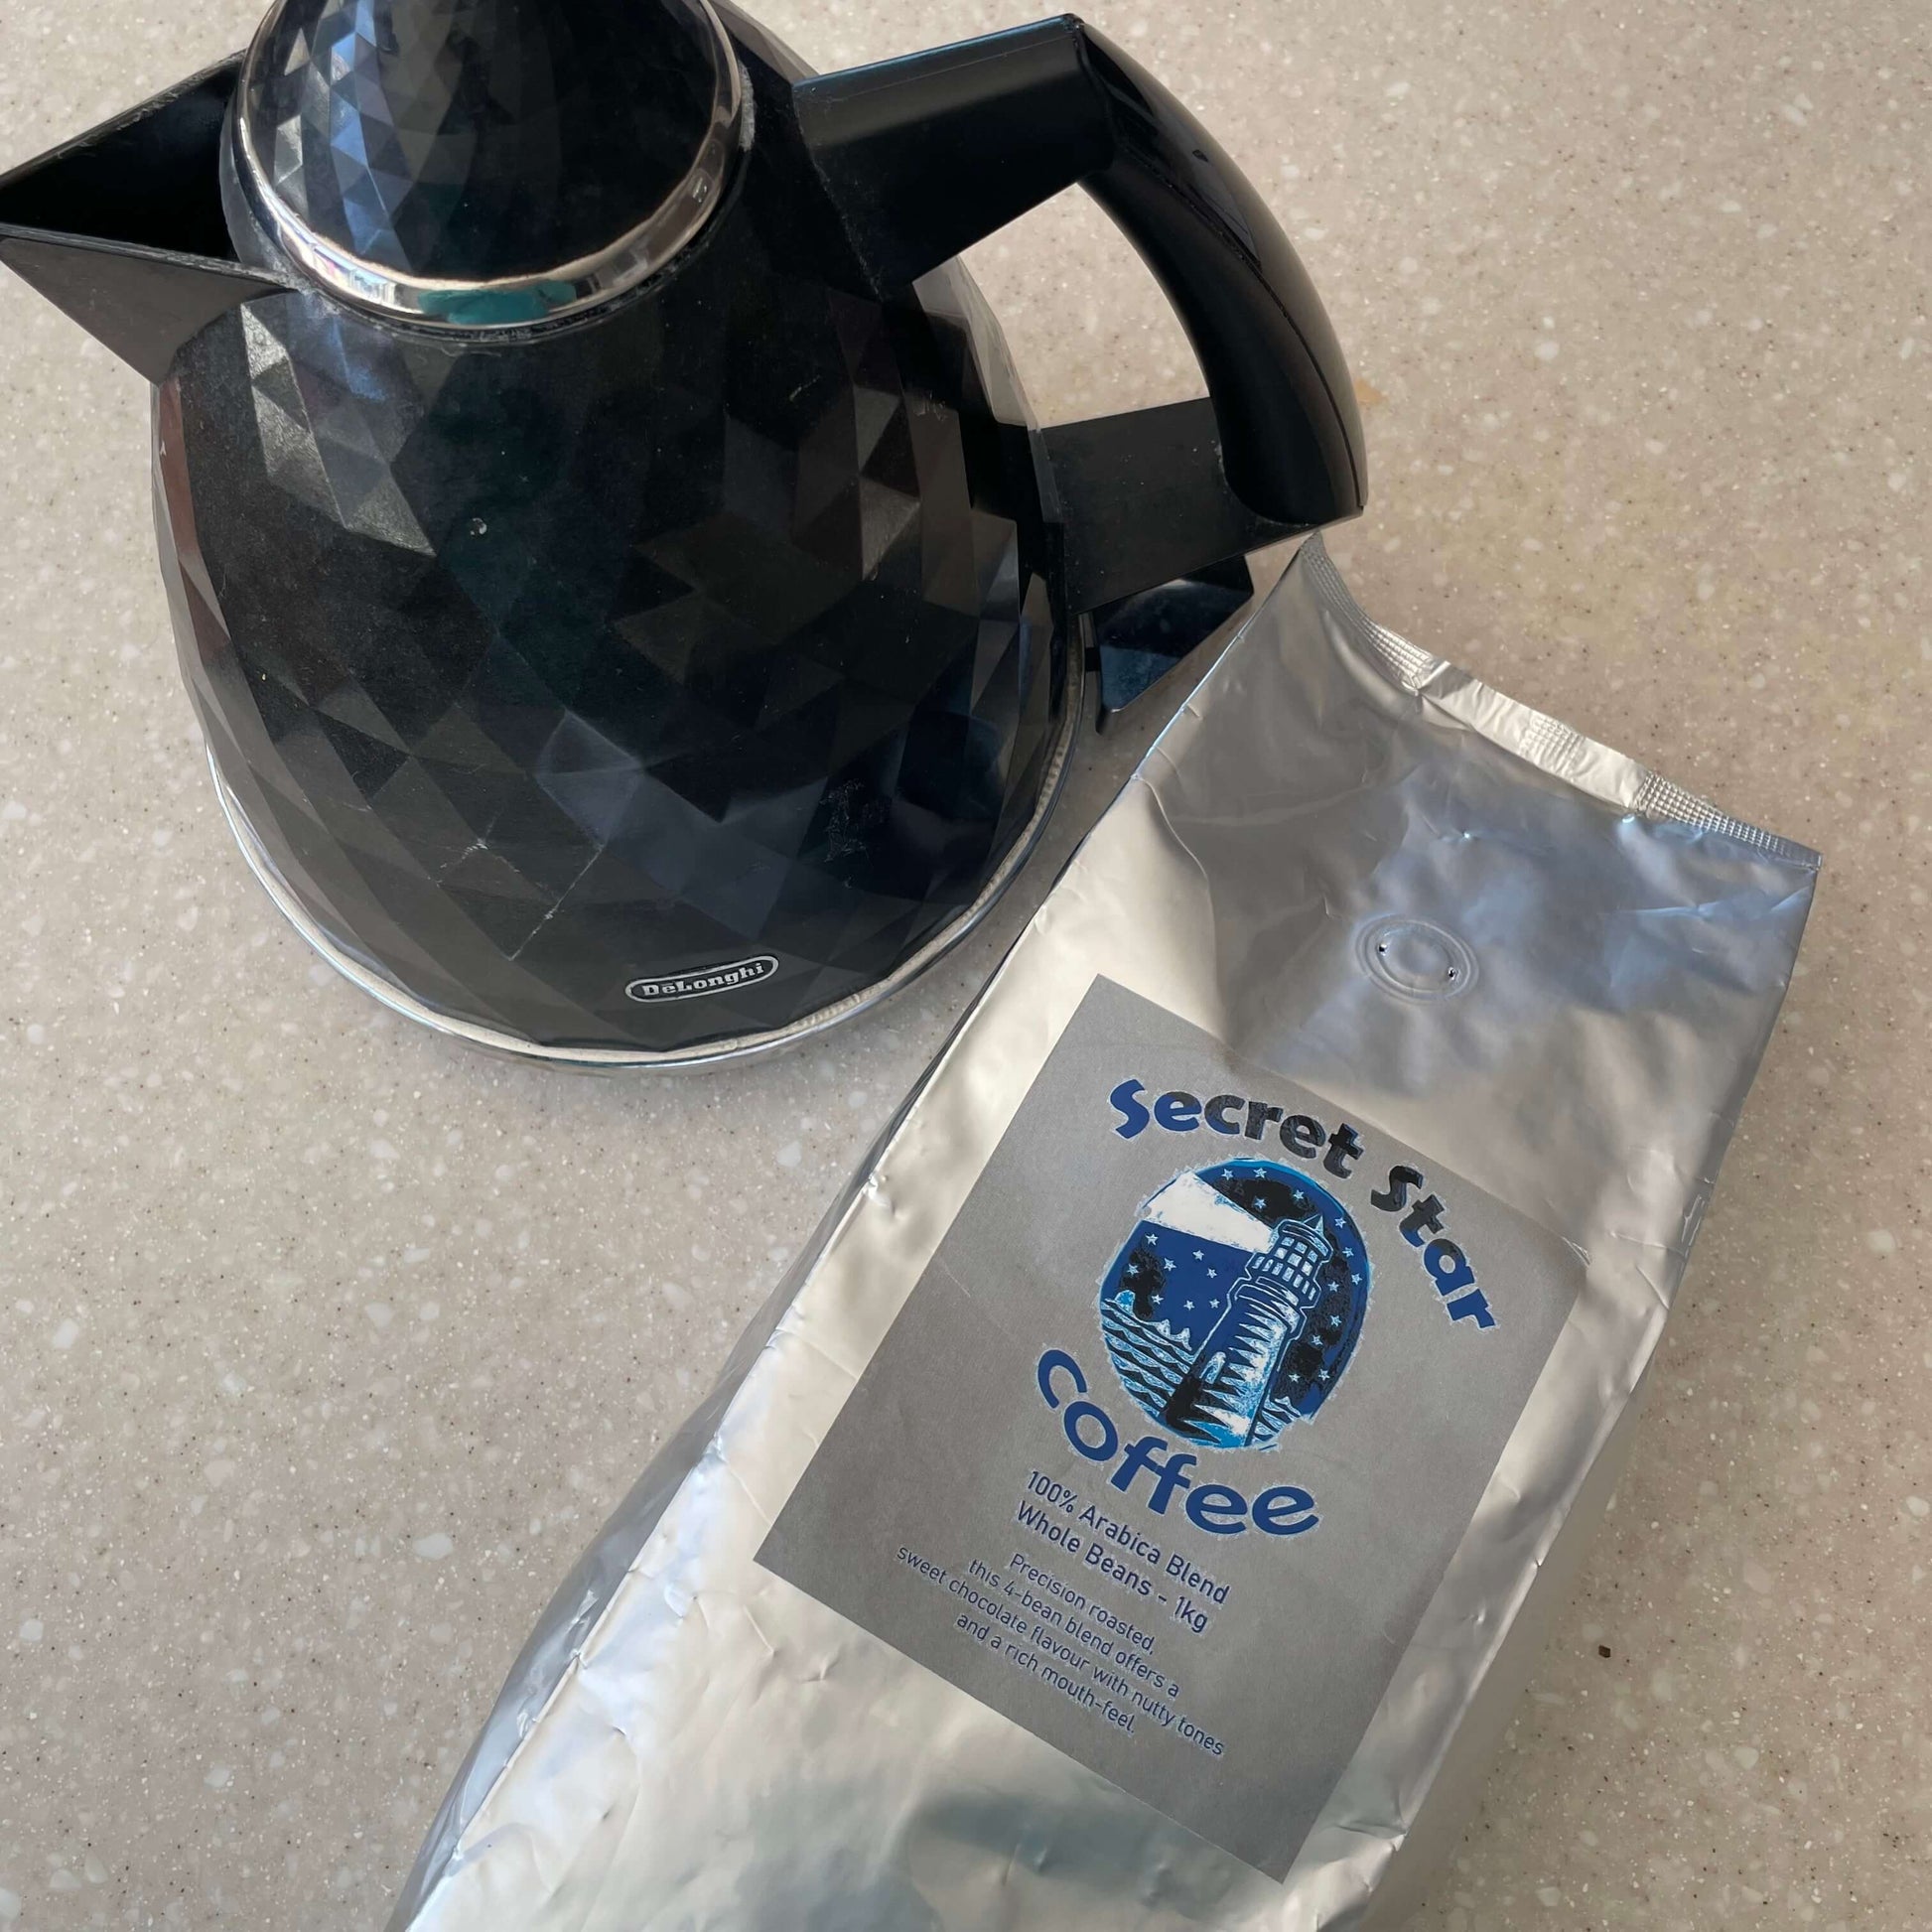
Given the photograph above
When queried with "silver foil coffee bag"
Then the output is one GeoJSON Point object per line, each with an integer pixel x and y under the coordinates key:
{"type": "Point", "coordinates": [1140, 1506]}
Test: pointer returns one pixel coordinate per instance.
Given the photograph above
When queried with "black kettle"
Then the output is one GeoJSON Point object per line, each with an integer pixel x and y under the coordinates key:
{"type": "Point", "coordinates": [632, 612]}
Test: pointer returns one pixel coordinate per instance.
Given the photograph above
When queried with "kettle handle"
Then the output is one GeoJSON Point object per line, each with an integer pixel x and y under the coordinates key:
{"type": "Point", "coordinates": [927, 155]}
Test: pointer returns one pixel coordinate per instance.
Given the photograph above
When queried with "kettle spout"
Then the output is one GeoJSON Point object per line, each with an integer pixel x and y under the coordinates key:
{"type": "Point", "coordinates": [122, 229]}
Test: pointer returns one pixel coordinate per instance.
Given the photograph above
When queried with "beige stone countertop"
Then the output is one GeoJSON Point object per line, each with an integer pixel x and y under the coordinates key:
{"type": "Point", "coordinates": [325, 1344]}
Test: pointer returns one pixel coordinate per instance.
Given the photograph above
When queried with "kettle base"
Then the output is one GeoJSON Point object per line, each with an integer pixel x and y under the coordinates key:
{"type": "Point", "coordinates": [381, 986]}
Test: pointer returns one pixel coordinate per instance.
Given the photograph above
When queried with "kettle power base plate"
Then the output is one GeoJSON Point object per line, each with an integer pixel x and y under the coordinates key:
{"type": "Point", "coordinates": [398, 998]}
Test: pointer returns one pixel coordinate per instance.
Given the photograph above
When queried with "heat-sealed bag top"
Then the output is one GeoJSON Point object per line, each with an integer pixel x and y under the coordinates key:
{"type": "Point", "coordinates": [1138, 1507]}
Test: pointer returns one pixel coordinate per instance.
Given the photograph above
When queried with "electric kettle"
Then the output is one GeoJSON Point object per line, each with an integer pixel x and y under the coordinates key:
{"type": "Point", "coordinates": [632, 611]}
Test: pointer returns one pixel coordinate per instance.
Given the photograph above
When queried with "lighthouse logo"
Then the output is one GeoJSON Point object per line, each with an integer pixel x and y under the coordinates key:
{"type": "Point", "coordinates": [1234, 1307]}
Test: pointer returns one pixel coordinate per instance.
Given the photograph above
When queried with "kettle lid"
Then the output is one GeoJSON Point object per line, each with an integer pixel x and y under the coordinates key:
{"type": "Point", "coordinates": [486, 163]}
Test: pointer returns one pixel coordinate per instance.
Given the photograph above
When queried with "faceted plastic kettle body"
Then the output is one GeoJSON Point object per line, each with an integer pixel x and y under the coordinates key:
{"type": "Point", "coordinates": [658, 654]}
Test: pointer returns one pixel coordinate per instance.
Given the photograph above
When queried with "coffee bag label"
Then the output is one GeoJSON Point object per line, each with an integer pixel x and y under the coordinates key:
{"type": "Point", "coordinates": [1173, 1440]}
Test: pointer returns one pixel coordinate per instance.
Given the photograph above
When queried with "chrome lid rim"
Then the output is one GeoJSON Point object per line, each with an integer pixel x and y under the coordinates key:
{"type": "Point", "coordinates": [522, 301]}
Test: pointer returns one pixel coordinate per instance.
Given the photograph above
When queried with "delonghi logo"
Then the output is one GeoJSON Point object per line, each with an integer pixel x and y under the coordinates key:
{"type": "Point", "coordinates": [1234, 1307]}
{"type": "Point", "coordinates": [709, 979]}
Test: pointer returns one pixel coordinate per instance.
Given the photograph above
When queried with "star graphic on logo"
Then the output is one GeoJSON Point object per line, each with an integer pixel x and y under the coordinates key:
{"type": "Point", "coordinates": [1328, 1285]}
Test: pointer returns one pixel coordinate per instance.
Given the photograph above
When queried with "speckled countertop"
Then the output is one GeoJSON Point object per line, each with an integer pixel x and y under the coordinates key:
{"type": "Point", "coordinates": [325, 1344]}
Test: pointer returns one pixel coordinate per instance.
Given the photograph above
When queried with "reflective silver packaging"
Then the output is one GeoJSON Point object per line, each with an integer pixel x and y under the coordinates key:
{"type": "Point", "coordinates": [1140, 1506]}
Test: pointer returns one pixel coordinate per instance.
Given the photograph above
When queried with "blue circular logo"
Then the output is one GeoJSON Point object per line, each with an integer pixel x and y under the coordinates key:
{"type": "Point", "coordinates": [1234, 1307]}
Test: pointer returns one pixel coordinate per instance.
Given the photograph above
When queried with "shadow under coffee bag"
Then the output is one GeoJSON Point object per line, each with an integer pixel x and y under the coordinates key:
{"type": "Point", "coordinates": [1140, 1506]}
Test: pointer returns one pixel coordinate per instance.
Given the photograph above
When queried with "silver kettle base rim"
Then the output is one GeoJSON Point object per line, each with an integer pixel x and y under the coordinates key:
{"type": "Point", "coordinates": [609, 1059]}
